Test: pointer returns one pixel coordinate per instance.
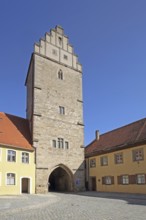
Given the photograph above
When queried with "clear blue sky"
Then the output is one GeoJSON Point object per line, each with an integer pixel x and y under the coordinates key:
{"type": "Point", "coordinates": [109, 36]}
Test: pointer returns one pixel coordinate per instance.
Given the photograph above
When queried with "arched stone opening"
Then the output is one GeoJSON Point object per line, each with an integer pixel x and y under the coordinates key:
{"type": "Point", "coordinates": [60, 180]}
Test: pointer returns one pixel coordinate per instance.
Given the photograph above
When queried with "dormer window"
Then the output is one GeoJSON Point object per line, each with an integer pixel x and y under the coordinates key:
{"type": "Point", "coordinates": [60, 75]}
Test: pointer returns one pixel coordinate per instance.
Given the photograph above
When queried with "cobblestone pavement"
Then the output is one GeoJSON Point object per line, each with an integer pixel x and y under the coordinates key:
{"type": "Point", "coordinates": [81, 206]}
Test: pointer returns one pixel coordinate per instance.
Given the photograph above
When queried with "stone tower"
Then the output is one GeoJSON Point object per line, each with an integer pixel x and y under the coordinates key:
{"type": "Point", "coordinates": [55, 113]}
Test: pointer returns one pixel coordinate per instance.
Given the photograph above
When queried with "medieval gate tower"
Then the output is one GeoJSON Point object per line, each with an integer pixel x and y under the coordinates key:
{"type": "Point", "coordinates": [55, 113]}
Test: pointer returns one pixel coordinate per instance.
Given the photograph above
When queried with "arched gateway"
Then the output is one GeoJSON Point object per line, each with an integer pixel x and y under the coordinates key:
{"type": "Point", "coordinates": [60, 180]}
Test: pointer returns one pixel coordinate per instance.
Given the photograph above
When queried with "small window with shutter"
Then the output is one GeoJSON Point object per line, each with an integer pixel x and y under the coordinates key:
{"type": "Point", "coordinates": [108, 180]}
{"type": "Point", "coordinates": [141, 178]}
{"type": "Point", "coordinates": [125, 179]}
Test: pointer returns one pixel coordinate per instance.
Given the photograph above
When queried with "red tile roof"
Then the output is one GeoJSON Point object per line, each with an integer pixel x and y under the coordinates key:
{"type": "Point", "coordinates": [14, 131]}
{"type": "Point", "coordinates": [119, 138]}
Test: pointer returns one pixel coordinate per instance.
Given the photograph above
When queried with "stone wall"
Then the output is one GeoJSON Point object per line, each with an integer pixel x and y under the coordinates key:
{"type": "Point", "coordinates": [50, 126]}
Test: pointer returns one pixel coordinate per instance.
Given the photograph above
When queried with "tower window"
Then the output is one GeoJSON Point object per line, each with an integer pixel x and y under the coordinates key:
{"type": "Point", "coordinates": [60, 75]}
{"type": "Point", "coordinates": [60, 143]}
{"type": "Point", "coordinates": [60, 41]}
{"type": "Point", "coordinates": [54, 143]}
{"type": "Point", "coordinates": [65, 57]}
{"type": "Point", "coordinates": [66, 145]}
{"type": "Point", "coordinates": [54, 52]}
{"type": "Point", "coordinates": [61, 110]}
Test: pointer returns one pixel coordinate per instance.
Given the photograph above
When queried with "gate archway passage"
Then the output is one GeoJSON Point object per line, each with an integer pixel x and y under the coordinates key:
{"type": "Point", "coordinates": [60, 180]}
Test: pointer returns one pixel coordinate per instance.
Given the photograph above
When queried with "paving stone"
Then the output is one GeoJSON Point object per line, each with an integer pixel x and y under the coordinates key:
{"type": "Point", "coordinates": [81, 206]}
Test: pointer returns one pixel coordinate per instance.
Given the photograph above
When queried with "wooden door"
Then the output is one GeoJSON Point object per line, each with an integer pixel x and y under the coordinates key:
{"type": "Point", "coordinates": [93, 183]}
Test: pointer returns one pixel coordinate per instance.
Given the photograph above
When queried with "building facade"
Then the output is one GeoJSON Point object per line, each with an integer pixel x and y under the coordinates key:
{"type": "Point", "coordinates": [17, 167]}
{"type": "Point", "coordinates": [55, 113]}
{"type": "Point", "coordinates": [116, 160]}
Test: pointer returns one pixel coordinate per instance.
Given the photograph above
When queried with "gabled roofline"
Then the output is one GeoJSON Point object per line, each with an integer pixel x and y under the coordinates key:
{"type": "Point", "coordinates": [16, 147]}
{"type": "Point", "coordinates": [13, 115]}
{"type": "Point", "coordinates": [115, 148]}
{"type": "Point", "coordinates": [127, 125]}
{"type": "Point", "coordinates": [31, 58]}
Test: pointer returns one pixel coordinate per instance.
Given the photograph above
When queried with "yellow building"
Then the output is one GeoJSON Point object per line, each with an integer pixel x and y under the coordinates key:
{"type": "Point", "coordinates": [116, 160]}
{"type": "Point", "coordinates": [17, 167]}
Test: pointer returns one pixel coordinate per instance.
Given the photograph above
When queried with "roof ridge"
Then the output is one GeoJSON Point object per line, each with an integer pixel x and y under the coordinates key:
{"type": "Point", "coordinates": [140, 131]}
{"type": "Point", "coordinates": [4, 113]}
{"type": "Point", "coordinates": [90, 143]}
{"type": "Point", "coordinates": [124, 126]}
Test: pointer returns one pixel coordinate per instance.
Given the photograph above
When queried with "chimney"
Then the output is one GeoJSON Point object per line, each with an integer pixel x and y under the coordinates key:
{"type": "Point", "coordinates": [97, 135]}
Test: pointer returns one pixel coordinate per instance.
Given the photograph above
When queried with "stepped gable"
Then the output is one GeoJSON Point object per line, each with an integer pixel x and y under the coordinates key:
{"type": "Point", "coordinates": [119, 138]}
{"type": "Point", "coordinates": [55, 46]}
{"type": "Point", "coordinates": [14, 131]}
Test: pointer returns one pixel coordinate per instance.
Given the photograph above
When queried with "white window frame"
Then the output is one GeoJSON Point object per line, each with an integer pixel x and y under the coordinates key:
{"type": "Point", "coordinates": [119, 158]}
{"type": "Point", "coordinates": [108, 180]}
{"type": "Point", "coordinates": [138, 154]}
{"type": "Point", "coordinates": [125, 179]}
{"type": "Point", "coordinates": [11, 183]}
{"type": "Point", "coordinates": [11, 156]}
{"type": "Point", "coordinates": [92, 162]}
{"type": "Point", "coordinates": [104, 161]}
{"type": "Point", "coordinates": [25, 158]}
{"type": "Point", "coordinates": [141, 179]}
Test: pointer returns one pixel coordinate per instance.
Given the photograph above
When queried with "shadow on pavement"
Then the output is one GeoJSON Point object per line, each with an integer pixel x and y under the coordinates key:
{"type": "Point", "coordinates": [133, 199]}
